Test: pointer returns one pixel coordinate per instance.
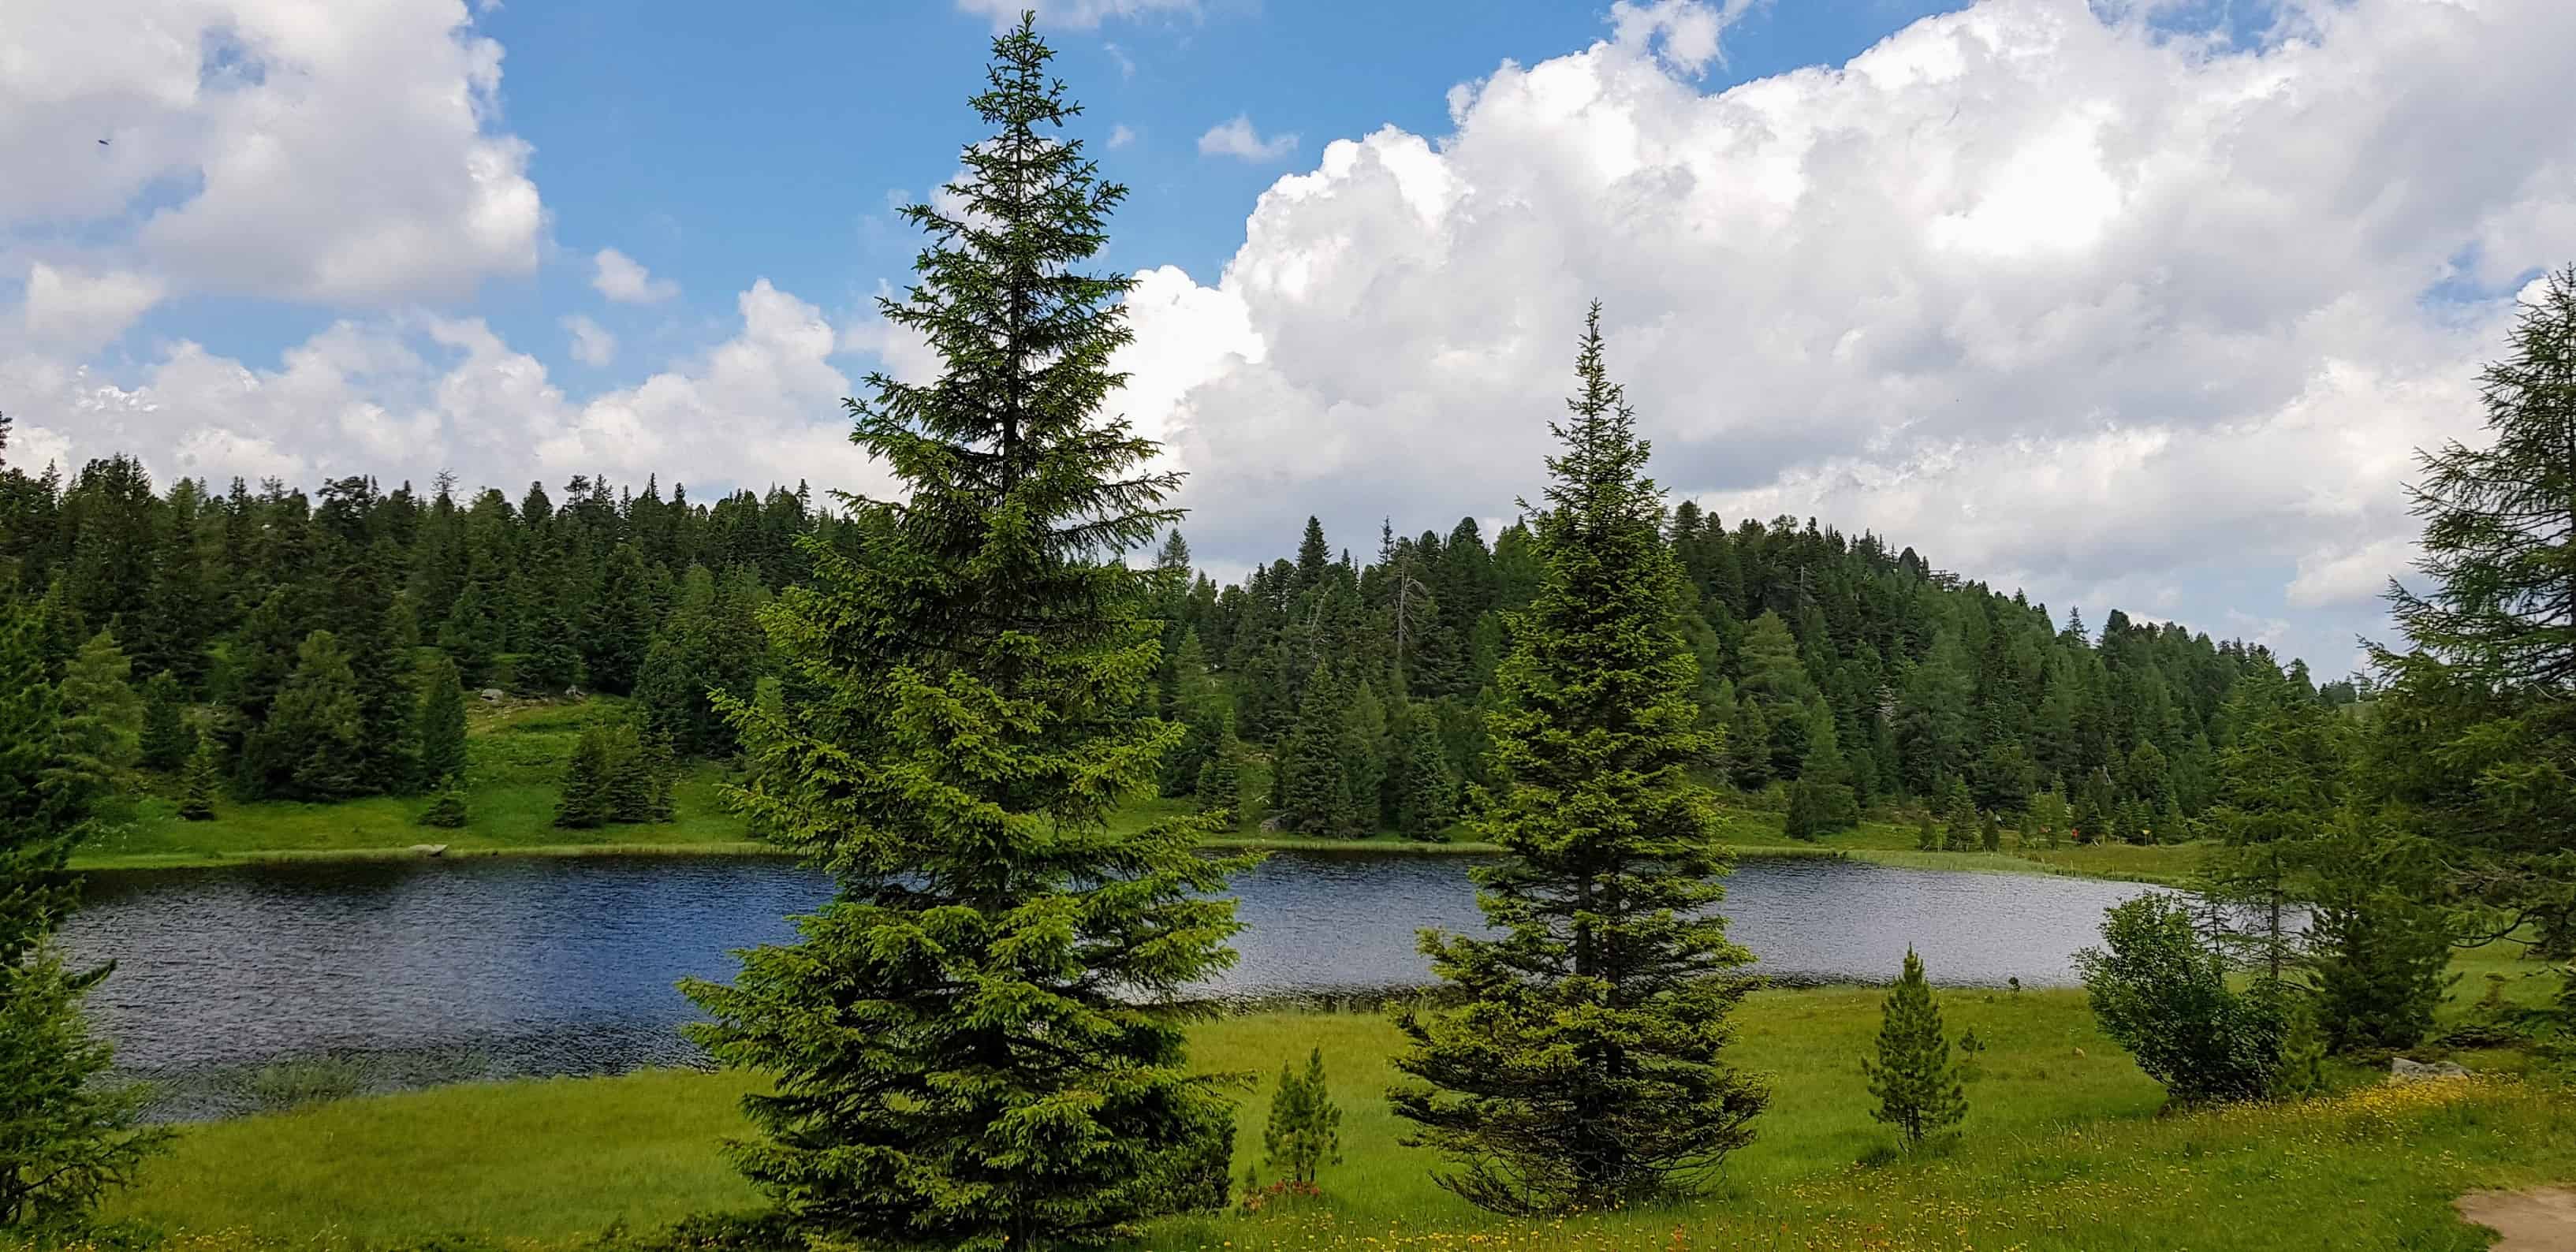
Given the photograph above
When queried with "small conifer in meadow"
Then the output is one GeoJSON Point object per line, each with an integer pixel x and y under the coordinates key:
{"type": "Point", "coordinates": [586, 802]}
{"type": "Point", "coordinates": [446, 809]}
{"type": "Point", "coordinates": [201, 783]}
{"type": "Point", "coordinates": [1304, 1133]}
{"type": "Point", "coordinates": [1913, 1077]}
{"type": "Point", "coordinates": [1927, 836]}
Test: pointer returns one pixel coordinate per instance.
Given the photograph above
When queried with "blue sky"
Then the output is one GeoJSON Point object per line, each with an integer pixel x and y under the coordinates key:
{"type": "Point", "coordinates": [712, 143]}
{"type": "Point", "coordinates": [2129, 303]}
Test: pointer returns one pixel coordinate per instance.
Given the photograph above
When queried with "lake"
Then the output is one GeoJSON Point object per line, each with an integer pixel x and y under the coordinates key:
{"type": "Point", "coordinates": [417, 972]}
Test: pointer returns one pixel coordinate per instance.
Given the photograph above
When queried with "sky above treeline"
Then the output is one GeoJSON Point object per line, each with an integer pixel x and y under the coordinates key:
{"type": "Point", "coordinates": [2132, 303]}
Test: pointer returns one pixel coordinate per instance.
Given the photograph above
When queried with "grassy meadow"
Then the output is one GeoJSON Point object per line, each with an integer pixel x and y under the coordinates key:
{"type": "Point", "coordinates": [517, 751]}
{"type": "Point", "coordinates": [2064, 1148]}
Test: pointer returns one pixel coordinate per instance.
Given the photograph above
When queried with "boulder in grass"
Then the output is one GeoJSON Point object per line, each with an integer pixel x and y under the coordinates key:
{"type": "Point", "coordinates": [491, 695]}
{"type": "Point", "coordinates": [430, 849]}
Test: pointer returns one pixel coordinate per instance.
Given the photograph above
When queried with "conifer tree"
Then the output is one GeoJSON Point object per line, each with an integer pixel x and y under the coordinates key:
{"type": "Point", "coordinates": [1363, 749]}
{"type": "Point", "coordinates": [446, 809]}
{"type": "Point", "coordinates": [586, 802]}
{"type": "Point", "coordinates": [314, 735]}
{"type": "Point", "coordinates": [472, 634]}
{"type": "Point", "coordinates": [1927, 834]}
{"type": "Point", "coordinates": [438, 727]}
{"type": "Point", "coordinates": [1806, 818]}
{"type": "Point", "coordinates": [1426, 788]}
{"type": "Point", "coordinates": [100, 740]}
{"type": "Point", "coordinates": [202, 784]}
{"type": "Point", "coordinates": [552, 664]}
{"type": "Point", "coordinates": [1315, 792]}
{"type": "Point", "coordinates": [618, 624]}
{"type": "Point", "coordinates": [2281, 785]}
{"type": "Point", "coordinates": [2379, 944]}
{"type": "Point", "coordinates": [1305, 1128]}
{"type": "Point", "coordinates": [1220, 785]}
{"type": "Point", "coordinates": [167, 738]}
{"type": "Point", "coordinates": [634, 788]}
{"type": "Point", "coordinates": [2475, 732]}
{"type": "Point", "coordinates": [1582, 1066]}
{"type": "Point", "coordinates": [973, 1045]}
{"type": "Point", "coordinates": [66, 1136]}
{"type": "Point", "coordinates": [1913, 1076]}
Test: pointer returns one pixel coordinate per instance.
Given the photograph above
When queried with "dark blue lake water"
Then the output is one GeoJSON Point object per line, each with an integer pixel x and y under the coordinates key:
{"type": "Point", "coordinates": [431, 971]}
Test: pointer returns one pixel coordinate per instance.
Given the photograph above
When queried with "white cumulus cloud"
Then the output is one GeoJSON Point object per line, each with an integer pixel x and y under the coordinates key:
{"type": "Point", "coordinates": [405, 397]}
{"type": "Point", "coordinates": [620, 278]}
{"type": "Point", "coordinates": [2045, 293]}
{"type": "Point", "coordinates": [79, 311]}
{"type": "Point", "coordinates": [1236, 138]}
{"type": "Point", "coordinates": [337, 153]}
{"type": "Point", "coordinates": [592, 344]}
{"type": "Point", "coordinates": [1072, 14]}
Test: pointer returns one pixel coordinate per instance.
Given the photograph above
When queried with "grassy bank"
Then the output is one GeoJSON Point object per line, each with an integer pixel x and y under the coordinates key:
{"type": "Point", "coordinates": [2063, 1150]}
{"type": "Point", "coordinates": [517, 753]}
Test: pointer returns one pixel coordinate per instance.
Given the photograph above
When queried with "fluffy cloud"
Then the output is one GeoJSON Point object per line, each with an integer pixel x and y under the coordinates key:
{"type": "Point", "coordinates": [592, 345]}
{"type": "Point", "coordinates": [1236, 138]}
{"type": "Point", "coordinates": [620, 278]}
{"type": "Point", "coordinates": [2043, 293]}
{"type": "Point", "coordinates": [408, 396]}
{"type": "Point", "coordinates": [1686, 30]}
{"type": "Point", "coordinates": [336, 153]}
{"type": "Point", "coordinates": [77, 311]}
{"type": "Point", "coordinates": [1073, 14]}
{"type": "Point", "coordinates": [1120, 136]}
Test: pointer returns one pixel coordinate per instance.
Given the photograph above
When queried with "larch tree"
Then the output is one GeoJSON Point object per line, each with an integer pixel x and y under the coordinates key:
{"type": "Point", "coordinates": [2475, 735]}
{"type": "Point", "coordinates": [1582, 1066]}
{"type": "Point", "coordinates": [977, 1043]}
{"type": "Point", "coordinates": [2281, 784]}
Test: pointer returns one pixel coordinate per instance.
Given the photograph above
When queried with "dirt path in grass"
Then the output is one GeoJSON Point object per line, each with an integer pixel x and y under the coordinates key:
{"type": "Point", "coordinates": [2542, 1219]}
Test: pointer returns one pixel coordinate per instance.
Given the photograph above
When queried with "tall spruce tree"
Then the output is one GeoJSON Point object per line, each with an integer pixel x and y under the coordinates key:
{"type": "Point", "coordinates": [101, 736]}
{"type": "Point", "coordinates": [1912, 1077]}
{"type": "Point", "coordinates": [1426, 789]}
{"type": "Point", "coordinates": [202, 783]}
{"type": "Point", "coordinates": [167, 737]}
{"type": "Point", "coordinates": [587, 799]}
{"type": "Point", "coordinates": [1583, 1066]}
{"type": "Point", "coordinates": [315, 736]}
{"type": "Point", "coordinates": [973, 1045]}
{"type": "Point", "coordinates": [438, 728]}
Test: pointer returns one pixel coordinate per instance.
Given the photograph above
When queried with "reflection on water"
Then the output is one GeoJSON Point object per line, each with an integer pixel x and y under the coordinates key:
{"type": "Point", "coordinates": [436, 971]}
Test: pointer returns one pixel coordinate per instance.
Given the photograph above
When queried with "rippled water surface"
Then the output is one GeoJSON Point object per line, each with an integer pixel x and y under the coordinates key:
{"type": "Point", "coordinates": [418, 972]}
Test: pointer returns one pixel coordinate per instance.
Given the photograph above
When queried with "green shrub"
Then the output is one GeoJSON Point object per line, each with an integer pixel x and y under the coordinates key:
{"type": "Point", "coordinates": [2160, 991]}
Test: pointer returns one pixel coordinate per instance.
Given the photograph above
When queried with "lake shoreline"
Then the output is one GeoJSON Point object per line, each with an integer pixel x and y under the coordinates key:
{"type": "Point", "coordinates": [1955, 862]}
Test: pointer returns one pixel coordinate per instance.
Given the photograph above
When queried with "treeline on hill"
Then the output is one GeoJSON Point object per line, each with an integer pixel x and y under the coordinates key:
{"type": "Point", "coordinates": [1843, 673]}
{"type": "Point", "coordinates": [320, 644]}
{"type": "Point", "coordinates": [307, 637]}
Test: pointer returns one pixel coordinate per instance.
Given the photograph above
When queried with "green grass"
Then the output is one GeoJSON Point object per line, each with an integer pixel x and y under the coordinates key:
{"type": "Point", "coordinates": [2064, 1149]}
{"type": "Point", "coordinates": [516, 756]}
